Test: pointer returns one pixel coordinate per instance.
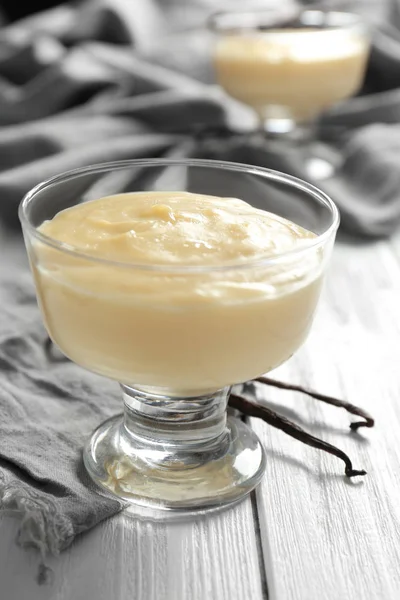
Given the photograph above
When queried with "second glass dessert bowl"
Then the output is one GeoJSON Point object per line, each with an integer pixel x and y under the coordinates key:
{"type": "Point", "coordinates": [178, 336]}
{"type": "Point", "coordinates": [289, 72]}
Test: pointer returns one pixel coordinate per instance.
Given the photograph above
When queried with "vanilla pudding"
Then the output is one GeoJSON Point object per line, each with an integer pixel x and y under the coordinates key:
{"type": "Point", "coordinates": [291, 74]}
{"type": "Point", "coordinates": [176, 291]}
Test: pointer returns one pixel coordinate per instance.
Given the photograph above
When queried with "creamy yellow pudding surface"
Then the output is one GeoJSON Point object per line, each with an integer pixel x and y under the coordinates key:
{"type": "Point", "coordinates": [171, 317]}
{"type": "Point", "coordinates": [293, 73]}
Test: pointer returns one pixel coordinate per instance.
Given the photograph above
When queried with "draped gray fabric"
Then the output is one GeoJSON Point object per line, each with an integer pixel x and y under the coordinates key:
{"type": "Point", "coordinates": [109, 80]}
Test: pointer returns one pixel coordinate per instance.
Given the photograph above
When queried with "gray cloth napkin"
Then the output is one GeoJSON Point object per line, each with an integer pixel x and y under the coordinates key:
{"type": "Point", "coordinates": [48, 407]}
{"type": "Point", "coordinates": [88, 83]}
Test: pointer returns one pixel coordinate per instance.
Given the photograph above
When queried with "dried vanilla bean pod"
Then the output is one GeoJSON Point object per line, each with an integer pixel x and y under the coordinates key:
{"type": "Point", "coordinates": [251, 409]}
{"type": "Point", "coordinates": [351, 408]}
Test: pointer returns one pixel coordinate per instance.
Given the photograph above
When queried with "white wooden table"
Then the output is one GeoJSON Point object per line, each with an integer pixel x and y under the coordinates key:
{"type": "Point", "coordinates": [307, 533]}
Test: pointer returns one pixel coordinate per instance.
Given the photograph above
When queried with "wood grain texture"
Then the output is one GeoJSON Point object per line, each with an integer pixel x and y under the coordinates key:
{"type": "Point", "coordinates": [326, 537]}
{"type": "Point", "coordinates": [213, 558]}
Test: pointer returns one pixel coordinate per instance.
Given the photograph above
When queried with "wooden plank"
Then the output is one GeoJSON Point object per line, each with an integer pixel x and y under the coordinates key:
{"type": "Point", "coordinates": [325, 537]}
{"type": "Point", "coordinates": [212, 558]}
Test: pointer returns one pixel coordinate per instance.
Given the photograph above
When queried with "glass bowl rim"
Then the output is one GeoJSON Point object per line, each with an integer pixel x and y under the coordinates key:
{"type": "Point", "coordinates": [270, 174]}
{"type": "Point", "coordinates": [354, 20]}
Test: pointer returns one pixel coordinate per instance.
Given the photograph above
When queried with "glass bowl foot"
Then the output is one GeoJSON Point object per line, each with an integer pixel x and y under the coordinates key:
{"type": "Point", "coordinates": [175, 476]}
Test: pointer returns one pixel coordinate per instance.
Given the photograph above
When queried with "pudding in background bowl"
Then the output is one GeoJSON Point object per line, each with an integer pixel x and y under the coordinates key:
{"type": "Point", "coordinates": [290, 75]}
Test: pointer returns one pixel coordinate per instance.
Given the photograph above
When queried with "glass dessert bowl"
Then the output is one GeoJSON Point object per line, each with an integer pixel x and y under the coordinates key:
{"type": "Point", "coordinates": [289, 71]}
{"type": "Point", "coordinates": [172, 287]}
